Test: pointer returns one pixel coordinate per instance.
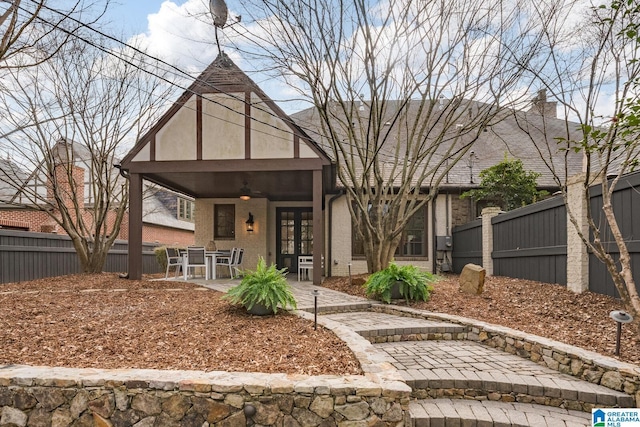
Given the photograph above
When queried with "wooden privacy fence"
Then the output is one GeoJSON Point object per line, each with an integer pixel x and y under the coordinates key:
{"type": "Point", "coordinates": [537, 242]}
{"type": "Point", "coordinates": [28, 256]}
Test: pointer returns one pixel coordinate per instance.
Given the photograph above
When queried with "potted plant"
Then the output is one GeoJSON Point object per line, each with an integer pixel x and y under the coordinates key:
{"type": "Point", "coordinates": [395, 282]}
{"type": "Point", "coordinates": [263, 290]}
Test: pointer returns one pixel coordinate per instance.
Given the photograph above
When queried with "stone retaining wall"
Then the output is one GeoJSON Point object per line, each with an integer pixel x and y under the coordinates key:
{"type": "Point", "coordinates": [39, 397]}
{"type": "Point", "coordinates": [586, 365]}
{"type": "Point", "coordinates": [59, 397]}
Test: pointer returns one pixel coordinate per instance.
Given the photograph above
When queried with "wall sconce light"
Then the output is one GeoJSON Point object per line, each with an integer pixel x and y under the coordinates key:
{"type": "Point", "coordinates": [245, 192]}
{"type": "Point", "coordinates": [249, 223]}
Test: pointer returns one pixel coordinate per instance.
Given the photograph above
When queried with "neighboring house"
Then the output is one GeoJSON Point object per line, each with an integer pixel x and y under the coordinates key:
{"type": "Point", "coordinates": [230, 147]}
{"type": "Point", "coordinates": [162, 221]}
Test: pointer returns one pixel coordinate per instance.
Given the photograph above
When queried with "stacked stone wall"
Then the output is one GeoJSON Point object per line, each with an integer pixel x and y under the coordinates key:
{"type": "Point", "coordinates": [74, 397]}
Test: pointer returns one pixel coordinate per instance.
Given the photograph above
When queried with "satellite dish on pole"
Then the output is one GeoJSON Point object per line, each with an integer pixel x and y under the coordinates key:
{"type": "Point", "coordinates": [219, 12]}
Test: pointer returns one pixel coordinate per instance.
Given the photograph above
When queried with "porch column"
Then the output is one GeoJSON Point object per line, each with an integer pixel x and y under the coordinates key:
{"type": "Point", "coordinates": [318, 230]}
{"type": "Point", "coordinates": [135, 226]}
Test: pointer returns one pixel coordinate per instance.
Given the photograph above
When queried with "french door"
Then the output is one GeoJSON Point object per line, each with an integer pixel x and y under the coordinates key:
{"type": "Point", "coordinates": [294, 236]}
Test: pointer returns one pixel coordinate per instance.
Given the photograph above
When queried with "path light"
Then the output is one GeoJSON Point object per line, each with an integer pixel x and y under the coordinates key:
{"type": "Point", "coordinates": [349, 265]}
{"type": "Point", "coordinates": [315, 294]}
{"type": "Point", "coordinates": [620, 317]}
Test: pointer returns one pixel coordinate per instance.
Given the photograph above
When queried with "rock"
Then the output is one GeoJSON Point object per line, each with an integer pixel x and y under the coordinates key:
{"type": "Point", "coordinates": [236, 420]}
{"type": "Point", "coordinates": [103, 405]}
{"type": "Point", "coordinates": [122, 400]}
{"type": "Point", "coordinates": [235, 400]}
{"type": "Point", "coordinates": [638, 399]}
{"type": "Point", "coordinates": [85, 420]}
{"type": "Point", "coordinates": [306, 418]}
{"type": "Point", "coordinates": [613, 380]}
{"type": "Point", "coordinates": [322, 405]}
{"type": "Point", "coordinates": [212, 411]}
{"type": "Point", "coordinates": [39, 418]}
{"type": "Point", "coordinates": [165, 420]}
{"type": "Point", "coordinates": [285, 403]}
{"type": "Point", "coordinates": [576, 367]}
{"type": "Point", "coordinates": [394, 414]}
{"type": "Point", "coordinates": [147, 404]}
{"type": "Point", "coordinates": [98, 421]}
{"type": "Point", "coordinates": [472, 279]}
{"type": "Point", "coordinates": [176, 406]}
{"type": "Point", "coordinates": [593, 376]}
{"type": "Point", "coordinates": [79, 403]}
{"type": "Point", "coordinates": [13, 416]}
{"type": "Point", "coordinates": [354, 411]}
{"type": "Point", "coordinates": [266, 414]}
{"type": "Point", "coordinates": [194, 419]}
{"type": "Point", "coordinates": [378, 405]}
{"type": "Point", "coordinates": [125, 418]}
{"type": "Point", "coordinates": [49, 398]}
{"type": "Point", "coordinates": [6, 397]}
{"type": "Point", "coordinates": [23, 400]}
{"type": "Point", "coordinates": [61, 418]}
{"type": "Point", "coordinates": [146, 422]}
{"type": "Point", "coordinates": [289, 421]}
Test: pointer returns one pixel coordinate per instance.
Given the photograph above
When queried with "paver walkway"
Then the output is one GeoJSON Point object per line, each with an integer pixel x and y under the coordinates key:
{"type": "Point", "coordinates": [449, 367]}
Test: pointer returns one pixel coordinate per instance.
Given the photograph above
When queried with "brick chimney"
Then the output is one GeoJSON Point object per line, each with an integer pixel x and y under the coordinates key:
{"type": "Point", "coordinates": [542, 106]}
{"type": "Point", "coordinates": [66, 188]}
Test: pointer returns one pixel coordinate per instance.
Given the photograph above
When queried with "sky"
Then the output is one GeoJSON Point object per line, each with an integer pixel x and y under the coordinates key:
{"type": "Point", "coordinates": [169, 31]}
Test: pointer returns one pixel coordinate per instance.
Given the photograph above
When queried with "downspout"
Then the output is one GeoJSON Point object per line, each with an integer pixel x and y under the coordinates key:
{"type": "Point", "coordinates": [434, 256]}
{"type": "Point", "coordinates": [330, 229]}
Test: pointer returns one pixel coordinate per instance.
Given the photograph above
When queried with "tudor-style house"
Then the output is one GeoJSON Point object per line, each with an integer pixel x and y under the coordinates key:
{"type": "Point", "coordinates": [231, 148]}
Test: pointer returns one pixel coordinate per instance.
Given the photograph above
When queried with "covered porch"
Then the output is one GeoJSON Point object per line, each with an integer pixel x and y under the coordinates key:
{"type": "Point", "coordinates": [257, 179]}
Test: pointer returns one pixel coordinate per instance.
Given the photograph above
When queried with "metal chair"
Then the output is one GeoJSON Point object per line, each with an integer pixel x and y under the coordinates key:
{"type": "Point", "coordinates": [305, 264]}
{"type": "Point", "coordinates": [228, 261]}
{"type": "Point", "coordinates": [196, 258]}
{"type": "Point", "coordinates": [174, 259]}
{"type": "Point", "coordinates": [237, 262]}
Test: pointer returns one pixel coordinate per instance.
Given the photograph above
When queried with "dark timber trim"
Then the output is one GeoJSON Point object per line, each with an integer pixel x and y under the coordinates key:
{"type": "Point", "coordinates": [199, 127]}
{"type": "Point", "coordinates": [250, 165]}
{"type": "Point", "coordinates": [318, 237]}
{"type": "Point", "coordinates": [247, 125]}
{"type": "Point", "coordinates": [135, 226]}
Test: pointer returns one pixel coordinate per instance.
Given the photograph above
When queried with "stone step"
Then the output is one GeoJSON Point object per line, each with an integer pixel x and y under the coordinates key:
{"type": "Point", "coordinates": [382, 327]}
{"type": "Point", "coordinates": [481, 413]}
{"type": "Point", "coordinates": [466, 369]}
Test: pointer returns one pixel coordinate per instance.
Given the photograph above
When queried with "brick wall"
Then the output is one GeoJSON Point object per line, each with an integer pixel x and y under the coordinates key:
{"type": "Point", "coordinates": [38, 221]}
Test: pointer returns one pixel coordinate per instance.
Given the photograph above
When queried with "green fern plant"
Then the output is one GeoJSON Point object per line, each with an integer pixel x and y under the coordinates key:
{"type": "Point", "coordinates": [414, 284]}
{"type": "Point", "coordinates": [266, 285]}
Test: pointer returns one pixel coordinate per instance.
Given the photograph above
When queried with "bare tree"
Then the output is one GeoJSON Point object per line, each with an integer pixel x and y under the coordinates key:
{"type": "Point", "coordinates": [67, 122]}
{"type": "Point", "coordinates": [32, 30]}
{"type": "Point", "coordinates": [594, 75]}
{"type": "Point", "coordinates": [401, 89]}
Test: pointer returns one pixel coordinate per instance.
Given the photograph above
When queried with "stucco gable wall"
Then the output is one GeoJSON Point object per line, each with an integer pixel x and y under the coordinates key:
{"type": "Point", "coordinates": [223, 126]}
{"type": "Point", "coordinates": [177, 139]}
{"type": "Point", "coordinates": [271, 138]}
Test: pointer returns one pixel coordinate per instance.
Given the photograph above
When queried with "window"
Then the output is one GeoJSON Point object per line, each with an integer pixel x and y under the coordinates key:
{"type": "Point", "coordinates": [413, 242]}
{"type": "Point", "coordinates": [224, 220]}
{"type": "Point", "coordinates": [186, 209]}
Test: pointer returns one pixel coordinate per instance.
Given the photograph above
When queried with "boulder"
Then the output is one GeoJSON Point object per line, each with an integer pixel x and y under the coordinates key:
{"type": "Point", "coordinates": [472, 279]}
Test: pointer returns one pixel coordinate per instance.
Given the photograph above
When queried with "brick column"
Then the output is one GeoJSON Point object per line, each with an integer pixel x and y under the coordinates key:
{"type": "Point", "coordinates": [487, 238]}
{"type": "Point", "coordinates": [577, 255]}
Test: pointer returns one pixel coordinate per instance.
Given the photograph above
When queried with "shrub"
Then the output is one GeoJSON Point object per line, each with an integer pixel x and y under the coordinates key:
{"type": "Point", "coordinates": [266, 285]}
{"type": "Point", "coordinates": [161, 257]}
{"type": "Point", "coordinates": [413, 284]}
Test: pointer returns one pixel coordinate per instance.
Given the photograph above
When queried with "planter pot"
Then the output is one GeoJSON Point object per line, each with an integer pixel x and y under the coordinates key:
{"type": "Point", "coordinates": [260, 310]}
{"type": "Point", "coordinates": [395, 291]}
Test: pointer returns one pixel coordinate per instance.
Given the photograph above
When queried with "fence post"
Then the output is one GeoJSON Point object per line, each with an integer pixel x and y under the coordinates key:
{"type": "Point", "coordinates": [487, 237]}
{"type": "Point", "coordinates": [577, 255]}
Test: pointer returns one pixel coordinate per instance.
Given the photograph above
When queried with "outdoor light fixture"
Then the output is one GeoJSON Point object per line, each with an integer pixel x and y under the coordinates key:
{"type": "Point", "coordinates": [620, 317]}
{"type": "Point", "coordinates": [249, 223]}
{"type": "Point", "coordinates": [245, 192]}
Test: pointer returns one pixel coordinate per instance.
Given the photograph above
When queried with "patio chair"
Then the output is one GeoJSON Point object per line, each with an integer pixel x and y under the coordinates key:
{"type": "Point", "coordinates": [238, 262]}
{"type": "Point", "coordinates": [228, 261]}
{"type": "Point", "coordinates": [174, 259]}
{"type": "Point", "coordinates": [196, 258]}
{"type": "Point", "coordinates": [305, 265]}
